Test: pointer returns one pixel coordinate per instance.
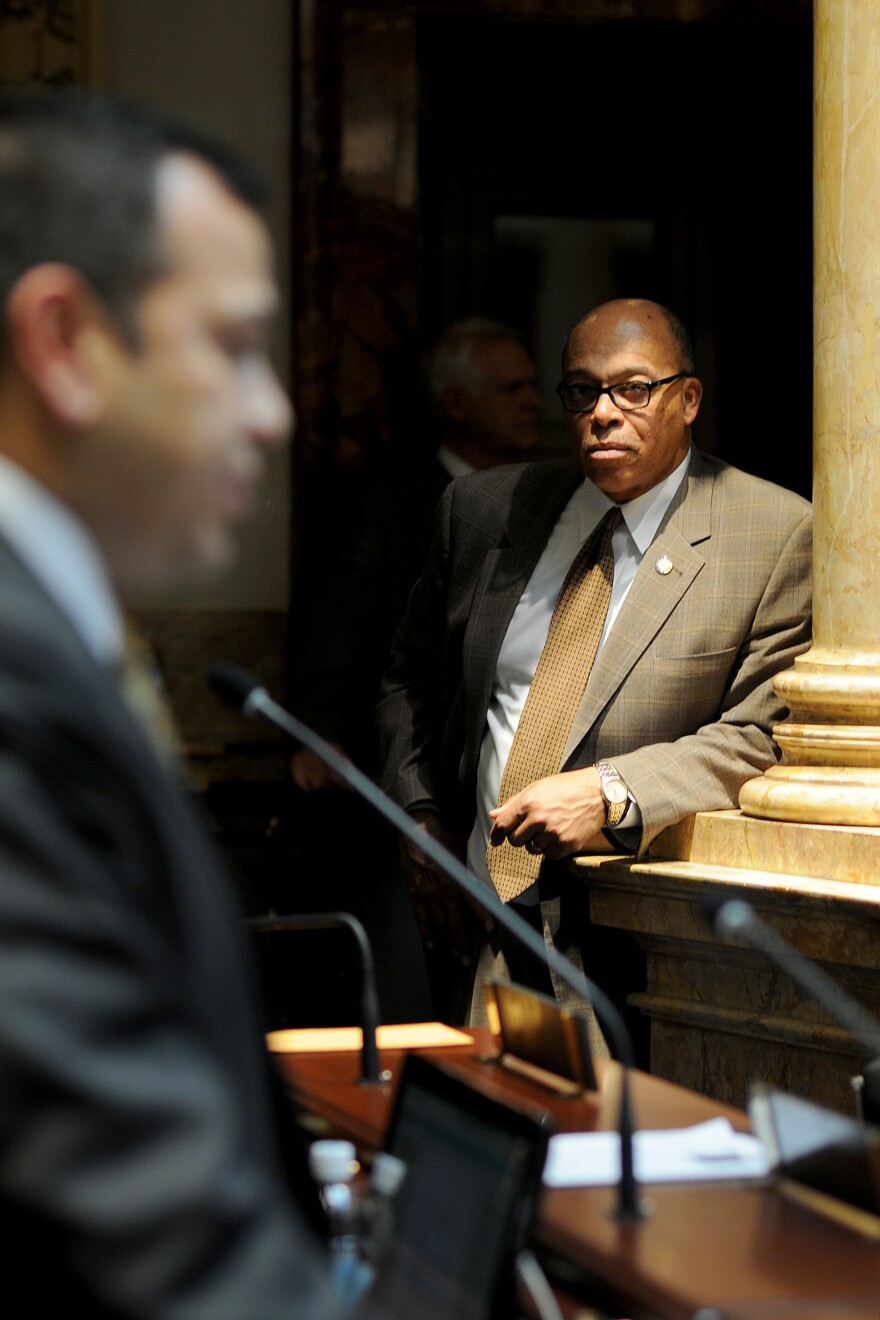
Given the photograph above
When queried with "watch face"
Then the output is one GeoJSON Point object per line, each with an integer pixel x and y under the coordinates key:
{"type": "Point", "coordinates": [615, 791]}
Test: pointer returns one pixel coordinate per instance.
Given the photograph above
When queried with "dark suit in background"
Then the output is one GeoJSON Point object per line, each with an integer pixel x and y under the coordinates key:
{"type": "Point", "coordinates": [367, 535]}
{"type": "Point", "coordinates": [366, 538]}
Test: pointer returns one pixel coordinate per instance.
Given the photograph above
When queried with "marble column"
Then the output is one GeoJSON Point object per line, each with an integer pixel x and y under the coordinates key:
{"type": "Point", "coordinates": [830, 773]}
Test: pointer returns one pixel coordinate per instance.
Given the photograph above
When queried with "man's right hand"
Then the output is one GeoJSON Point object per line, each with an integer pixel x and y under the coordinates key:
{"type": "Point", "coordinates": [441, 910]}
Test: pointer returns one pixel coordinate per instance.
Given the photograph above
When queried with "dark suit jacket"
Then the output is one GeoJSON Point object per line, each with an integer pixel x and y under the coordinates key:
{"type": "Point", "coordinates": [139, 1169]}
{"type": "Point", "coordinates": [366, 542]}
{"type": "Point", "coordinates": [680, 698]}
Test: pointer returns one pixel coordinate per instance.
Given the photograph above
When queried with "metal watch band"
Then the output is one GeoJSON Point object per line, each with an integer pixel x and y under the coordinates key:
{"type": "Point", "coordinates": [615, 793]}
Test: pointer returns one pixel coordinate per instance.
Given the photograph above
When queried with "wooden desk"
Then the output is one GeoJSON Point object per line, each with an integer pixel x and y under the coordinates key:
{"type": "Point", "coordinates": [713, 1251]}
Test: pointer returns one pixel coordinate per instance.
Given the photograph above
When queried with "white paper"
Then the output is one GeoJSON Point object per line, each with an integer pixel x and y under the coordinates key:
{"type": "Point", "coordinates": [709, 1152]}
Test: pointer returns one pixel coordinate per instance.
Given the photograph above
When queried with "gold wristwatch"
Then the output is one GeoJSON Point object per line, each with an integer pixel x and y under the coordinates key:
{"type": "Point", "coordinates": [615, 793]}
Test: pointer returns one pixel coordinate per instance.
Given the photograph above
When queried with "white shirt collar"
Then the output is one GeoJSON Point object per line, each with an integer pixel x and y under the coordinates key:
{"type": "Point", "coordinates": [453, 463]}
{"type": "Point", "coordinates": [62, 556]}
{"type": "Point", "coordinates": [643, 515]}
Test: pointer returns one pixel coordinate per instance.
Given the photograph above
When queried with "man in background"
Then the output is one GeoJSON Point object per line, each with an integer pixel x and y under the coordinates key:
{"type": "Point", "coordinates": [140, 1166]}
{"type": "Point", "coordinates": [589, 653]}
{"type": "Point", "coordinates": [481, 386]}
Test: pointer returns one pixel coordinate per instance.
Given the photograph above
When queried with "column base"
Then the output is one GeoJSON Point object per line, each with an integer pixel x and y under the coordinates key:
{"type": "Point", "coordinates": [830, 744]}
{"type": "Point", "coordinates": [843, 745]}
{"type": "Point", "coordinates": [823, 795]}
{"type": "Point", "coordinates": [716, 844]}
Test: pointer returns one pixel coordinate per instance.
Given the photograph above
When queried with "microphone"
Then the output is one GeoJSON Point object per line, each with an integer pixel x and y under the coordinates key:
{"type": "Point", "coordinates": [734, 918]}
{"type": "Point", "coordinates": [241, 690]}
{"type": "Point", "coordinates": [369, 1000]}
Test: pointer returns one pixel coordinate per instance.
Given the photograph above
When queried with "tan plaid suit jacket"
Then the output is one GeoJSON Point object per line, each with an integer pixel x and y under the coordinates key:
{"type": "Point", "coordinates": [680, 698]}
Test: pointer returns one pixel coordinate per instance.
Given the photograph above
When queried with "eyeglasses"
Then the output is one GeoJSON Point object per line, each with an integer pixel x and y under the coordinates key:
{"type": "Point", "coordinates": [581, 397]}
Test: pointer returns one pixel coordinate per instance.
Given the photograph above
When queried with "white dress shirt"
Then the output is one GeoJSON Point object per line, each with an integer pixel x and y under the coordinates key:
{"type": "Point", "coordinates": [527, 633]}
{"type": "Point", "coordinates": [453, 463]}
{"type": "Point", "coordinates": [62, 556]}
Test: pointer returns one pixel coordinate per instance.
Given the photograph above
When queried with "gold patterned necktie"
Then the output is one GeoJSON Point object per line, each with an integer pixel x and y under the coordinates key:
{"type": "Point", "coordinates": [555, 693]}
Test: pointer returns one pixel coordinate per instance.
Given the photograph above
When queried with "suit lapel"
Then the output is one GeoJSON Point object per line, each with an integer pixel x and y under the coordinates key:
{"type": "Point", "coordinates": [652, 597]}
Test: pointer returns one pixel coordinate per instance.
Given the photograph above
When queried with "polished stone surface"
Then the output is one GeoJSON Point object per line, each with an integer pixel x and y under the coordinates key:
{"type": "Point", "coordinates": [847, 348]}
{"type": "Point", "coordinates": [722, 1017]}
{"type": "Point", "coordinates": [833, 692]}
{"type": "Point", "coordinates": [725, 839]}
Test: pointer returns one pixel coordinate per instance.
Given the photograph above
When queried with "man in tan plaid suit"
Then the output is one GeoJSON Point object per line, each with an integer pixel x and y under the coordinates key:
{"type": "Point", "coordinates": [710, 599]}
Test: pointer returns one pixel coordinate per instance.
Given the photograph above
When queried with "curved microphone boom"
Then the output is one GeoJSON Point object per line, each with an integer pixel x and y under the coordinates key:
{"type": "Point", "coordinates": [368, 1003]}
{"type": "Point", "coordinates": [237, 688]}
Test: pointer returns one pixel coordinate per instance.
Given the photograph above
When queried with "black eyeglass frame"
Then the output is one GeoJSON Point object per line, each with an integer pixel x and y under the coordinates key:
{"type": "Point", "coordinates": [609, 390]}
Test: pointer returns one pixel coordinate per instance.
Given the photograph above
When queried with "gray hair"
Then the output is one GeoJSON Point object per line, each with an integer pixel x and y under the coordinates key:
{"type": "Point", "coordinates": [451, 361]}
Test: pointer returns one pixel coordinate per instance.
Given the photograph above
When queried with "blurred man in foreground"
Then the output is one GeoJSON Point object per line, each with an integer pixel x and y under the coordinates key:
{"type": "Point", "coordinates": [138, 1158]}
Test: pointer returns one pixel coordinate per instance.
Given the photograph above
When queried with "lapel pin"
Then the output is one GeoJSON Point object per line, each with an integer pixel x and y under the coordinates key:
{"type": "Point", "coordinates": [664, 565]}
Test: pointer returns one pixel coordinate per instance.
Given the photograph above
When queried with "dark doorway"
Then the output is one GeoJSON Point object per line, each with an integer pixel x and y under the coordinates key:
{"type": "Point", "coordinates": [561, 164]}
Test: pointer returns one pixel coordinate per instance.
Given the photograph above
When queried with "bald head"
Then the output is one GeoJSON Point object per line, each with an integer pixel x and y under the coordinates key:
{"type": "Point", "coordinates": [625, 450]}
{"type": "Point", "coordinates": [631, 316]}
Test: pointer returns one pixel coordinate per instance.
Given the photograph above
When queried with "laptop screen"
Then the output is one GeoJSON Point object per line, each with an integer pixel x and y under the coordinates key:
{"type": "Point", "coordinates": [473, 1176]}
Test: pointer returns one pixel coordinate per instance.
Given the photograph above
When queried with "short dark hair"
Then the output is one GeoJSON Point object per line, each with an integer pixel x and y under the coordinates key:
{"type": "Point", "coordinates": [78, 186]}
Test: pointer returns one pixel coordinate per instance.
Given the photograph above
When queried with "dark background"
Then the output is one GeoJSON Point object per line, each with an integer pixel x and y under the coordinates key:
{"type": "Point", "coordinates": [703, 130]}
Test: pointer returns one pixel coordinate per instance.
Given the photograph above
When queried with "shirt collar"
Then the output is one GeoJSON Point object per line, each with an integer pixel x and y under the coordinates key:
{"type": "Point", "coordinates": [453, 463]}
{"type": "Point", "coordinates": [643, 515]}
{"type": "Point", "coordinates": [62, 556]}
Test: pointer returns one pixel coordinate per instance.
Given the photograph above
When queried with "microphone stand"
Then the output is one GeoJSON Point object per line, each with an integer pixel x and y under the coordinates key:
{"type": "Point", "coordinates": [242, 690]}
{"type": "Point", "coordinates": [369, 1001]}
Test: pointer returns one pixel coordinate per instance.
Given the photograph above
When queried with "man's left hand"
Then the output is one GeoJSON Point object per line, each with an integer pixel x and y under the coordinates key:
{"type": "Point", "coordinates": [556, 816]}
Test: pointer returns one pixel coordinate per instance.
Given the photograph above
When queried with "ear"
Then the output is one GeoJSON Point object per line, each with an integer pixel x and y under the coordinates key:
{"type": "Point", "coordinates": [691, 395]}
{"type": "Point", "coordinates": [452, 400]}
{"type": "Point", "coordinates": [53, 317]}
